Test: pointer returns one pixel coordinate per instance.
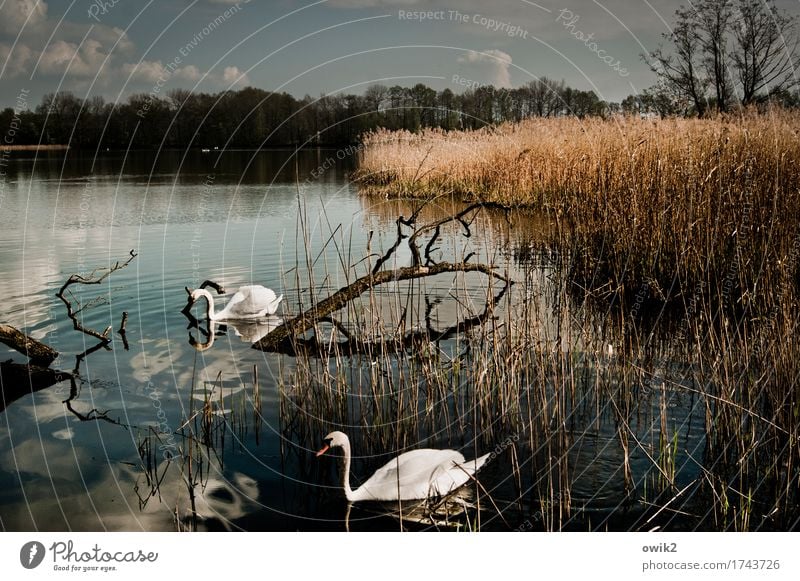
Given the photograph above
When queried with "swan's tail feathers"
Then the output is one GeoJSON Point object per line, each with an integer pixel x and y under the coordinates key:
{"type": "Point", "coordinates": [471, 467]}
{"type": "Point", "coordinates": [478, 463]}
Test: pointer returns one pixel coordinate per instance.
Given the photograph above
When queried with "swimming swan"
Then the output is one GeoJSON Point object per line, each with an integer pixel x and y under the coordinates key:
{"type": "Point", "coordinates": [413, 475]}
{"type": "Point", "coordinates": [250, 302]}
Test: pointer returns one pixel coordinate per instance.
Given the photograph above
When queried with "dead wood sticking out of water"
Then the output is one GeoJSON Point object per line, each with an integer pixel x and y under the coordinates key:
{"type": "Point", "coordinates": [35, 350]}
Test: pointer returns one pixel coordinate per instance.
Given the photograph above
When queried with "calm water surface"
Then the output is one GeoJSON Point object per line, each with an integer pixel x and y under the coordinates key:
{"type": "Point", "coordinates": [235, 219]}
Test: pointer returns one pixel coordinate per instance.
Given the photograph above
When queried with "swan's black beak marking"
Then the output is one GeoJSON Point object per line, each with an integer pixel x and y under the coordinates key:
{"type": "Point", "coordinates": [325, 448]}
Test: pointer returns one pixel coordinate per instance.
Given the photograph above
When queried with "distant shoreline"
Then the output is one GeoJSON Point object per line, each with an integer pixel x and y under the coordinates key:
{"type": "Point", "coordinates": [34, 147]}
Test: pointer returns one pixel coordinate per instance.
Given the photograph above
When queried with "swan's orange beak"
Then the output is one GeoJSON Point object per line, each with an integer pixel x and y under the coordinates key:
{"type": "Point", "coordinates": [325, 449]}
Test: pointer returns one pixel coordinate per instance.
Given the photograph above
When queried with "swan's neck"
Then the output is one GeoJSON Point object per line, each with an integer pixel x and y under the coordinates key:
{"type": "Point", "coordinates": [348, 492]}
{"type": "Point", "coordinates": [209, 304]}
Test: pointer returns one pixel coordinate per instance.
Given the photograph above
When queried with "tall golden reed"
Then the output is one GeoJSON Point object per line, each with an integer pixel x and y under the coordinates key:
{"type": "Point", "coordinates": [692, 201]}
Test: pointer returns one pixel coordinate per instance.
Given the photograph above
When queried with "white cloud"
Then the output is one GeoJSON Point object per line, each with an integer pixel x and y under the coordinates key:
{"type": "Point", "coordinates": [14, 14]}
{"type": "Point", "coordinates": [75, 47]}
{"type": "Point", "coordinates": [79, 61]}
{"type": "Point", "coordinates": [144, 71]}
{"type": "Point", "coordinates": [234, 78]}
{"type": "Point", "coordinates": [14, 60]}
{"type": "Point", "coordinates": [189, 73]}
{"type": "Point", "coordinates": [489, 66]}
{"type": "Point", "coordinates": [150, 72]}
{"type": "Point", "coordinates": [108, 36]}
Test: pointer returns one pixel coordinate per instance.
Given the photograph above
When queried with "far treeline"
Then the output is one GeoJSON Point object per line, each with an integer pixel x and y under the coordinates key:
{"type": "Point", "coordinates": [254, 117]}
{"type": "Point", "coordinates": [719, 55]}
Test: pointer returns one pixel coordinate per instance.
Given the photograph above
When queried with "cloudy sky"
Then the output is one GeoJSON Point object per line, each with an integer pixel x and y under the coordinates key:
{"type": "Point", "coordinates": [114, 48]}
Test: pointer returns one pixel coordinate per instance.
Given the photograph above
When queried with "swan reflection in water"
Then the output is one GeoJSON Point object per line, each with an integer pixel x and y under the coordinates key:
{"type": "Point", "coordinates": [249, 331]}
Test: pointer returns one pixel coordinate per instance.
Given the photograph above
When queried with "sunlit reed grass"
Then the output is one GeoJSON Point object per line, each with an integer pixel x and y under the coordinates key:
{"type": "Point", "coordinates": [644, 201]}
{"type": "Point", "coordinates": [687, 231]}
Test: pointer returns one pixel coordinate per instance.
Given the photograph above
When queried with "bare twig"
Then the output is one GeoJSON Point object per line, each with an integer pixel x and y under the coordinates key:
{"type": "Point", "coordinates": [436, 227]}
{"type": "Point", "coordinates": [92, 415]}
{"type": "Point", "coordinates": [121, 330]}
{"type": "Point", "coordinates": [97, 276]}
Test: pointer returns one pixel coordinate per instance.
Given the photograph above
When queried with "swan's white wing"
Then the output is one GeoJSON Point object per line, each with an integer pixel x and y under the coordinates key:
{"type": "Point", "coordinates": [249, 302]}
{"type": "Point", "coordinates": [449, 478]}
{"type": "Point", "coordinates": [260, 300]}
{"type": "Point", "coordinates": [234, 308]}
{"type": "Point", "coordinates": [412, 475]}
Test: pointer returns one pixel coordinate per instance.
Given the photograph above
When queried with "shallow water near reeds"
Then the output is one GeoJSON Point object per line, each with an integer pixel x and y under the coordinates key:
{"type": "Point", "coordinates": [179, 432]}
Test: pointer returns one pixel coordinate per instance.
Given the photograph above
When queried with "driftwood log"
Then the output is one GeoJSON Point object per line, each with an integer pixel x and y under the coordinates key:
{"type": "Point", "coordinates": [423, 265]}
{"type": "Point", "coordinates": [276, 339]}
{"type": "Point", "coordinates": [36, 351]}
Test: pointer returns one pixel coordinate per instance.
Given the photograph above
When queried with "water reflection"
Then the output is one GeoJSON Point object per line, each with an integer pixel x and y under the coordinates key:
{"type": "Point", "coordinates": [247, 331]}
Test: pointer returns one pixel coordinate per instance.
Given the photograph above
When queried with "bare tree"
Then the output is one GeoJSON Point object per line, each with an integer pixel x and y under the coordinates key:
{"type": "Point", "coordinates": [375, 96]}
{"type": "Point", "coordinates": [544, 97]}
{"type": "Point", "coordinates": [728, 46]}
{"type": "Point", "coordinates": [765, 49]}
{"type": "Point", "coordinates": [712, 20]}
{"type": "Point", "coordinates": [679, 71]}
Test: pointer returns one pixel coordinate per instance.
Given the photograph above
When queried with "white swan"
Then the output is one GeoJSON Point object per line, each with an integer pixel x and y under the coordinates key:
{"type": "Point", "coordinates": [250, 302]}
{"type": "Point", "coordinates": [413, 475]}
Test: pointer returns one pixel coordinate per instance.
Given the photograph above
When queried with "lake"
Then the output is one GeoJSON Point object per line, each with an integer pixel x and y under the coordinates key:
{"type": "Point", "coordinates": [191, 428]}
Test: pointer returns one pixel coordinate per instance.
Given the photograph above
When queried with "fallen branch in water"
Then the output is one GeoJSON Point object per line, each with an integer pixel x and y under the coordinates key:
{"type": "Point", "coordinates": [97, 276]}
{"type": "Point", "coordinates": [280, 339]}
{"type": "Point", "coordinates": [354, 345]}
{"type": "Point", "coordinates": [36, 351]}
{"type": "Point", "coordinates": [305, 321]}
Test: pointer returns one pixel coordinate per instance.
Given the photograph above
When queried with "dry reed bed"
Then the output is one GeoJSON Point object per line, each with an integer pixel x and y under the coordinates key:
{"type": "Point", "coordinates": [638, 200]}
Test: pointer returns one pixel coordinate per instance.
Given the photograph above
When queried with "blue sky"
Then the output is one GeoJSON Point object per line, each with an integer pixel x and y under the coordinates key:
{"type": "Point", "coordinates": [115, 48]}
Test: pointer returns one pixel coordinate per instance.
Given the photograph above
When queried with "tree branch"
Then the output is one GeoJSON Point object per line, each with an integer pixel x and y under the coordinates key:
{"type": "Point", "coordinates": [92, 278]}
{"type": "Point", "coordinates": [36, 351]}
{"type": "Point", "coordinates": [278, 338]}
